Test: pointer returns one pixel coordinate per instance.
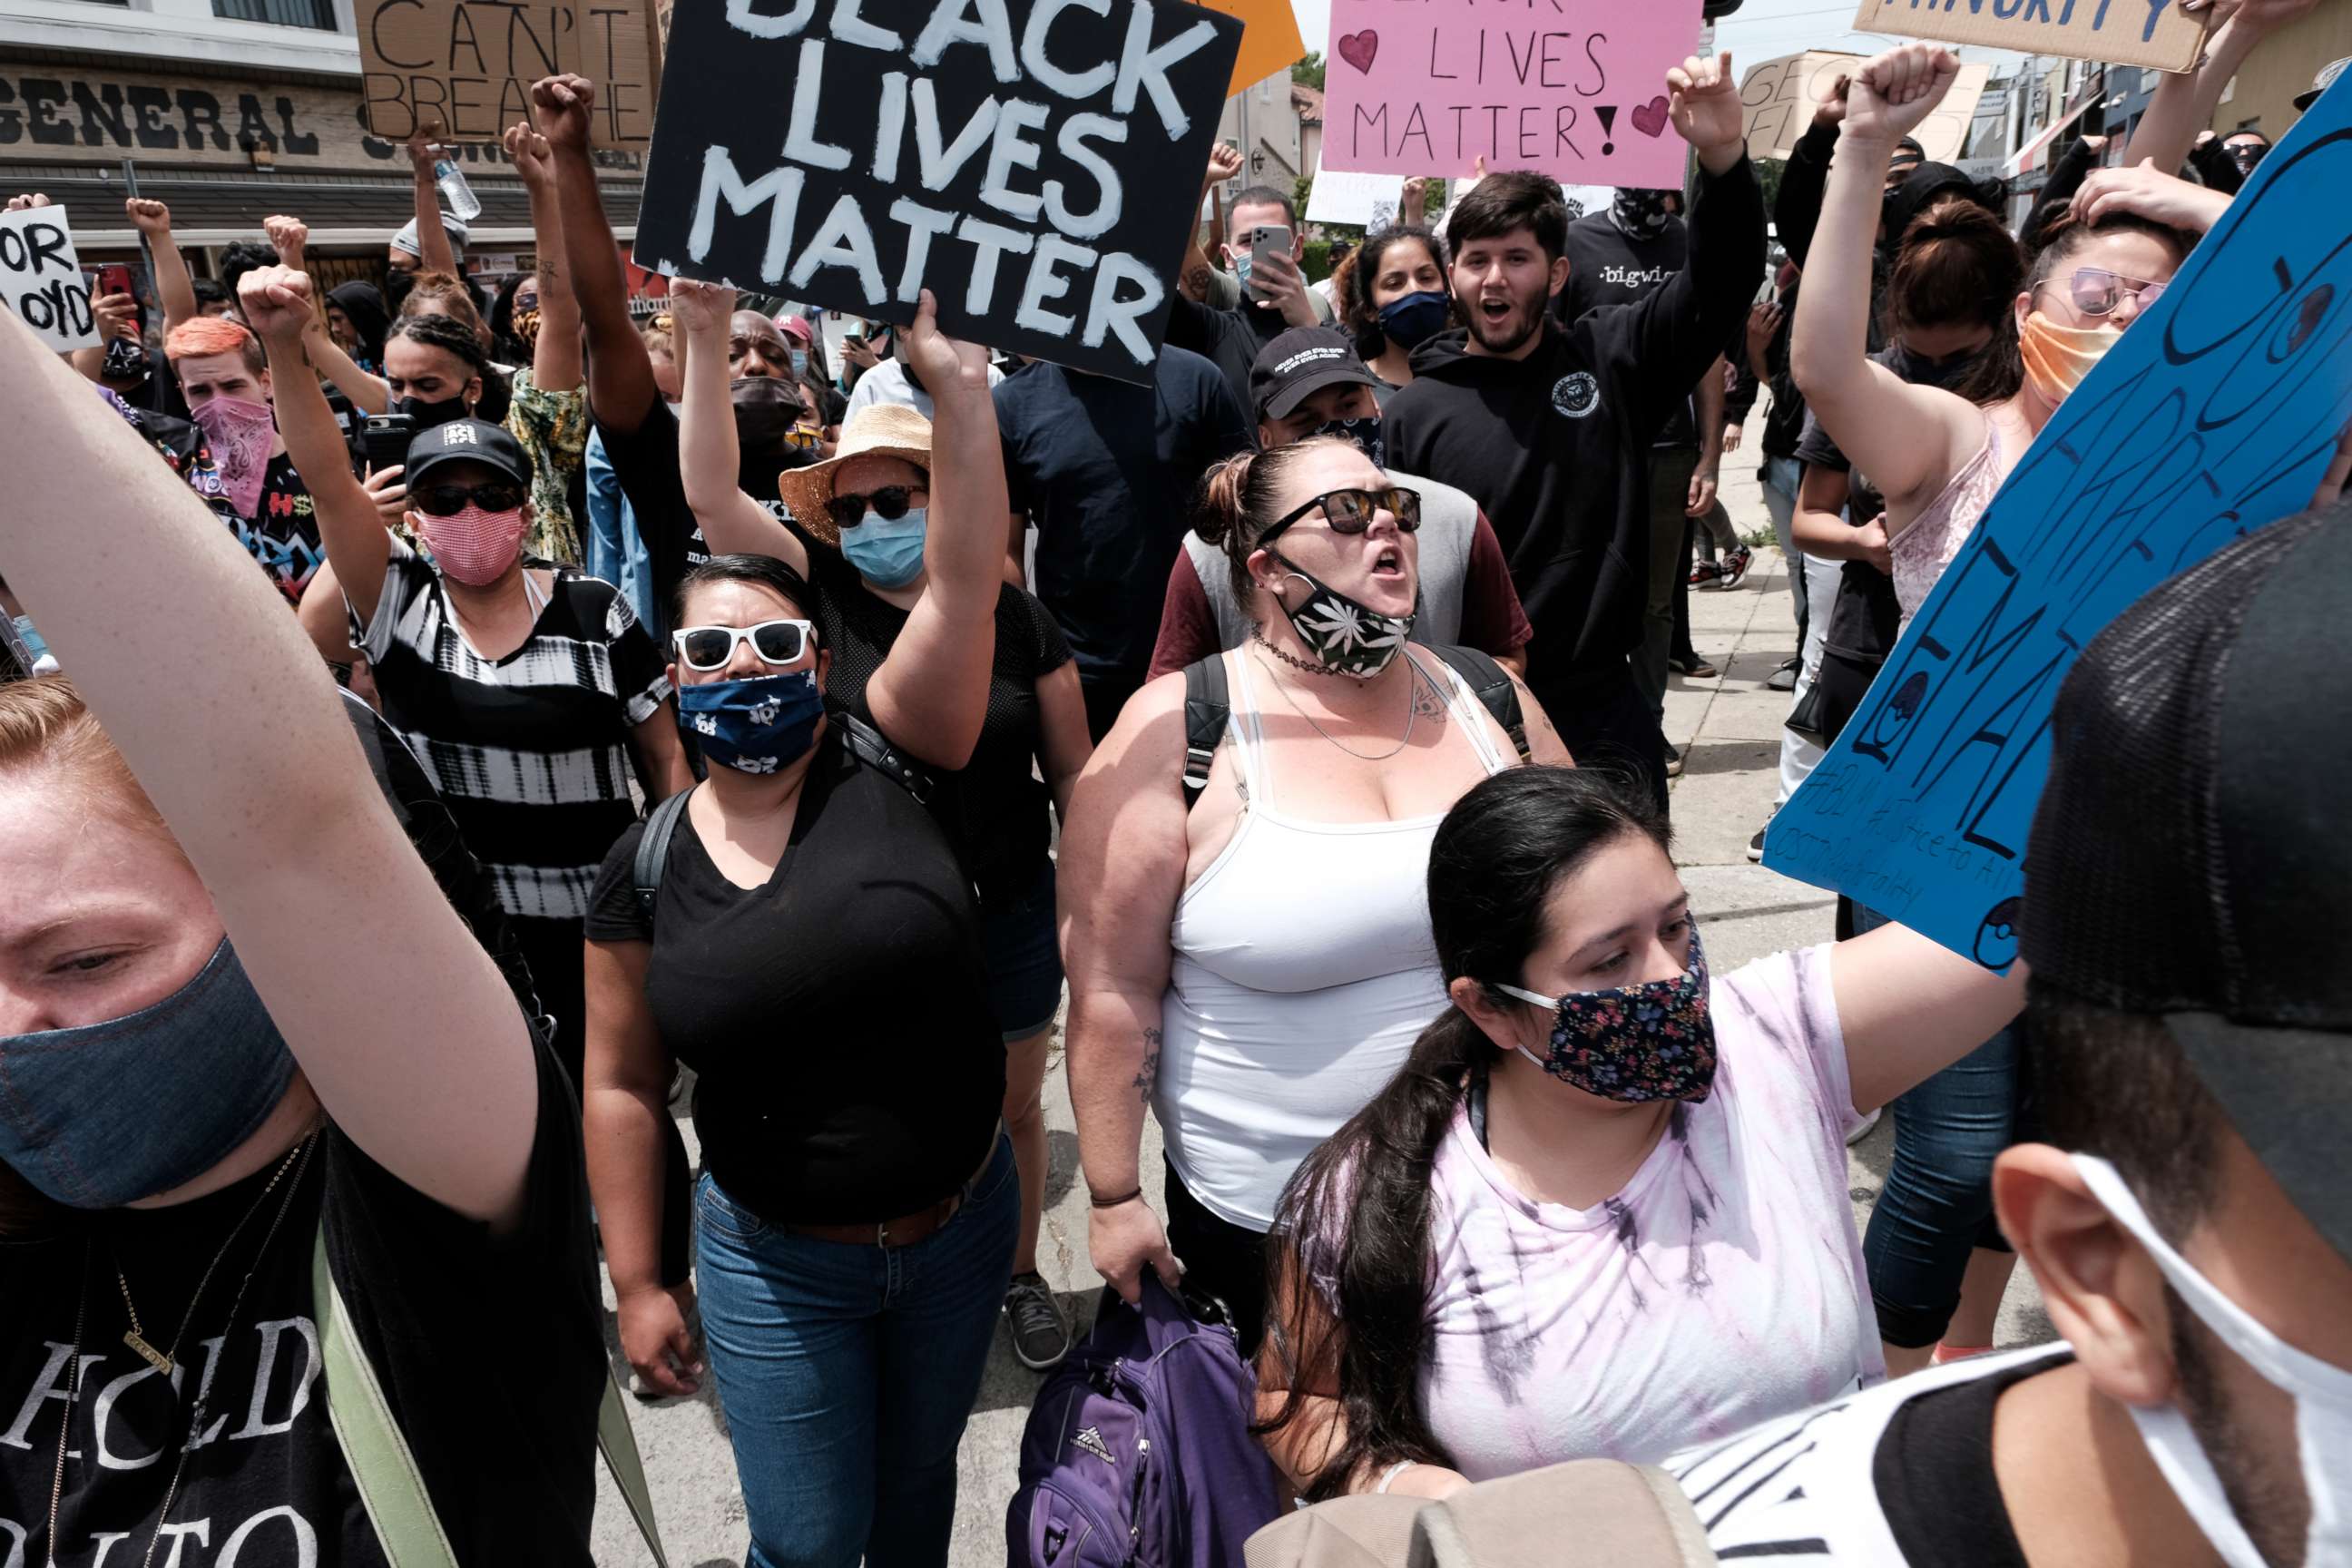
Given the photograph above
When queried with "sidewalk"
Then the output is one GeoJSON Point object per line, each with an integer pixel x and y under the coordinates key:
{"type": "Point", "coordinates": [1729, 731]}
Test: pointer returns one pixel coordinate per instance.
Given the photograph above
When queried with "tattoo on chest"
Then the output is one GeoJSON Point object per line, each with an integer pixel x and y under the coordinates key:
{"type": "Point", "coordinates": [1426, 703]}
{"type": "Point", "coordinates": [1147, 1075]}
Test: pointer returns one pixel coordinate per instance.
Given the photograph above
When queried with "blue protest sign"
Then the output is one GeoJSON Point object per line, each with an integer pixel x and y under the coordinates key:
{"type": "Point", "coordinates": [2217, 413]}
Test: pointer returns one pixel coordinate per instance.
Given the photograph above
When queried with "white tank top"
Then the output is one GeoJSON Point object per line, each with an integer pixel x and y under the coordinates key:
{"type": "Point", "coordinates": [1303, 971]}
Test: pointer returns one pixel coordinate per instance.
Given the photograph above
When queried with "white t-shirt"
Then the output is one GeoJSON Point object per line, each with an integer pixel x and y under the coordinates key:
{"type": "Point", "coordinates": [1722, 1286]}
{"type": "Point", "coordinates": [887, 383]}
{"type": "Point", "coordinates": [1898, 1477]}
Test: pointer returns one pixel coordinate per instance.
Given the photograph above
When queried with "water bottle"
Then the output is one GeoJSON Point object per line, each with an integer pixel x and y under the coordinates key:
{"type": "Point", "coordinates": [464, 205]}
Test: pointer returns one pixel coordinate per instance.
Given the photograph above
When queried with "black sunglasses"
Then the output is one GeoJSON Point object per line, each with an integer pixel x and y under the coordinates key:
{"type": "Point", "coordinates": [890, 503]}
{"type": "Point", "coordinates": [707, 648]}
{"type": "Point", "coordinates": [448, 501]}
{"type": "Point", "coordinates": [1350, 511]}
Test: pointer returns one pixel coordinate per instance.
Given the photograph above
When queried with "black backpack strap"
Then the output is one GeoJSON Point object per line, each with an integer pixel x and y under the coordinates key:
{"type": "Point", "coordinates": [653, 851]}
{"type": "Point", "coordinates": [874, 749]}
{"type": "Point", "coordinates": [1492, 685]}
{"type": "Point", "coordinates": [1208, 707]}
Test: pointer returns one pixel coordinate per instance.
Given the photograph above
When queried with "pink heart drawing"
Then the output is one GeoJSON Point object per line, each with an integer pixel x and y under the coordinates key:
{"type": "Point", "coordinates": [1650, 119]}
{"type": "Point", "coordinates": [1357, 49]}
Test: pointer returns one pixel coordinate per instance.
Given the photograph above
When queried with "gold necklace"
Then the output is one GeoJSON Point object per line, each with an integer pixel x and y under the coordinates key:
{"type": "Point", "coordinates": [135, 1336]}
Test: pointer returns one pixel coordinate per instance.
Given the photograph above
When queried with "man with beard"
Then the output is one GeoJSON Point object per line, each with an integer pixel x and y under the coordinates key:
{"type": "Point", "coordinates": [1548, 426]}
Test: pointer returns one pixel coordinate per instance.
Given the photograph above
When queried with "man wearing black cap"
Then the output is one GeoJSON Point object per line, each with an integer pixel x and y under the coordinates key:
{"type": "Point", "coordinates": [1310, 382]}
{"type": "Point", "coordinates": [2189, 1221]}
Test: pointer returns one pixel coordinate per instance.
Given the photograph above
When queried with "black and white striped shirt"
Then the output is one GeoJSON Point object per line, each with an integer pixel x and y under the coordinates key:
{"type": "Point", "coordinates": [529, 751]}
{"type": "Point", "coordinates": [1898, 1475]}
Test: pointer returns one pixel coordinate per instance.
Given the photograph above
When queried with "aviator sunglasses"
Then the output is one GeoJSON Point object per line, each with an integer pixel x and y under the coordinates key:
{"type": "Point", "coordinates": [2098, 291]}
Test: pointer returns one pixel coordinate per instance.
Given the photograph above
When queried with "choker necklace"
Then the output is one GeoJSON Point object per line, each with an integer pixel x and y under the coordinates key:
{"type": "Point", "coordinates": [1312, 667]}
{"type": "Point", "coordinates": [297, 1160]}
{"type": "Point", "coordinates": [1412, 716]}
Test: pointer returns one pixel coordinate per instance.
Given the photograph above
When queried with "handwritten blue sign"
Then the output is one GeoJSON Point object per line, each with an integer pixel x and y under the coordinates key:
{"type": "Point", "coordinates": [2217, 413]}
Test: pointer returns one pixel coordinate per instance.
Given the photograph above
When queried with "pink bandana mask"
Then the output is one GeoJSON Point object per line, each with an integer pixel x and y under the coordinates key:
{"type": "Point", "coordinates": [473, 546]}
{"type": "Point", "coordinates": [240, 433]}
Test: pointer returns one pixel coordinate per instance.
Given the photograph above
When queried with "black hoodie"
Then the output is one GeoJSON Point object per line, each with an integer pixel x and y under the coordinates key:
{"type": "Point", "coordinates": [1555, 447]}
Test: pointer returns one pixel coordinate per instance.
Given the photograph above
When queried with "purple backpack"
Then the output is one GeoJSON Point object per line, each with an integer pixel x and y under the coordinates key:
{"type": "Point", "coordinates": [1139, 1450]}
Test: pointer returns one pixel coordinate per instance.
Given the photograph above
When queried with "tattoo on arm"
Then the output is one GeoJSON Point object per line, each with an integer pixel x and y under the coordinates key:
{"type": "Point", "coordinates": [1149, 1074]}
{"type": "Point", "coordinates": [1528, 708]}
{"type": "Point", "coordinates": [1195, 282]}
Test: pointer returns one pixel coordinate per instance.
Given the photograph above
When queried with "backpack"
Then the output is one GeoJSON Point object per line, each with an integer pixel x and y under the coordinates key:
{"type": "Point", "coordinates": [867, 743]}
{"type": "Point", "coordinates": [1208, 706]}
{"type": "Point", "coordinates": [1139, 1451]}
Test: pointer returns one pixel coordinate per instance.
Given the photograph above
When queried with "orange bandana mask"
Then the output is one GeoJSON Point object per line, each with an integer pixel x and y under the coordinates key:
{"type": "Point", "coordinates": [2058, 357]}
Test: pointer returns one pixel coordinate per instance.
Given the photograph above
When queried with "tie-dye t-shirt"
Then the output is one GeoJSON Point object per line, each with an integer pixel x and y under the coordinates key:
{"type": "Point", "coordinates": [1723, 1286]}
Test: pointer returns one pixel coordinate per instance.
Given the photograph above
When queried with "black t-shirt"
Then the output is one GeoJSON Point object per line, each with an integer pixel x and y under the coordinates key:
{"type": "Point", "coordinates": [1108, 472]}
{"type": "Point", "coordinates": [1231, 339]}
{"type": "Point", "coordinates": [850, 1067]}
{"type": "Point", "coordinates": [1935, 1477]}
{"type": "Point", "coordinates": [282, 536]}
{"type": "Point", "coordinates": [644, 461]}
{"type": "Point", "coordinates": [504, 1437]}
{"type": "Point", "coordinates": [1608, 267]}
{"type": "Point", "coordinates": [997, 805]}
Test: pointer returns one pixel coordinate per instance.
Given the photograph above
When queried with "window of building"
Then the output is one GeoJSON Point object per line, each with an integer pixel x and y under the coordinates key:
{"type": "Point", "coordinates": [319, 13]}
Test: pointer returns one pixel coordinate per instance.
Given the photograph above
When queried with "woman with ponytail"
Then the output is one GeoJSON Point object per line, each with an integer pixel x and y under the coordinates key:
{"type": "Point", "coordinates": [1395, 299]}
{"type": "Point", "coordinates": [1602, 1211]}
{"type": "Point", "coordinates": [1248, 951]}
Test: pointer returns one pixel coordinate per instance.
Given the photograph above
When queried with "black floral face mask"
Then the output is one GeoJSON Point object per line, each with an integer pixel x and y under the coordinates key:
{"type": "Point", "coordinates": [1635, 1042]}
{"type": "Point", "coordinates": [1349, 638]}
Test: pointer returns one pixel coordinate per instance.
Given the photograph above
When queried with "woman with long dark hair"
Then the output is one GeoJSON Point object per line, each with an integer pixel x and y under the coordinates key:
{"type": "Point", "coordinates": [1602, 1211]}
{"type": "Point", "coordinates": [1396, 300]}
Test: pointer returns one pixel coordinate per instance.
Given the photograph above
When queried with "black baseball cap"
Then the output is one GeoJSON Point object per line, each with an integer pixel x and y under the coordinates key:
{"type": "Point", "coordinates": [2188, 858]}
{"type": "Point", "coordinates": [1301, 360]}
{"type": "Point", "coordinates": [469, 441]}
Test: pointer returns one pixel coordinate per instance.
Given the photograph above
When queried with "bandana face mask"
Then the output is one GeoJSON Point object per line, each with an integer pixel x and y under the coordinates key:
{"type": "Point", "coordinates": [2058, 357]}
{"type": "Point", "coordinates": [1641, 214]}
{"type": "Point", "coordinates": [1364, 435]}
{"type": "Point", "coordinates": [1636, 1043]}
{"type": "Point", "coordinates": [239, 431]}
{"type": "Point", "coordinates": [1347, 637]}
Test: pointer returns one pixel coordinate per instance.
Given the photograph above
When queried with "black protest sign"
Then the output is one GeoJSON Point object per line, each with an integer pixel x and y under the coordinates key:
{"type": "Point", "coordinates": [1034, 163]}
{"type": "Point", "coordinates": [41, 280]}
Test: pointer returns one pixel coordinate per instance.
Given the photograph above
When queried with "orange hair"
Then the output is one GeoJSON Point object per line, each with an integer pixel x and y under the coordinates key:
{"type": "Point", "coordinates": [208, 335]}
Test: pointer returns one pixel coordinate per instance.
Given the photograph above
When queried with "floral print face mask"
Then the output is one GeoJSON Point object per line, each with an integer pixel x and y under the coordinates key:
{"type": "Point", "coordinates": [1636, 1043]}
{"type": "Point", "coordinates": [1349, 638]}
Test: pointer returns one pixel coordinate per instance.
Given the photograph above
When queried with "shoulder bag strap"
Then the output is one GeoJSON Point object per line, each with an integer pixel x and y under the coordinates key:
{"type": "Point", "coordinates": [1491, 684]}
{"type": "Point", "coordinates": [390, 1486]}
{"type": "Point", "coordinates": [653, 851]}
{"type": "Point", "coordinates": [873, 748]}
{"type": "Point", "coordinates": [1208, 707]}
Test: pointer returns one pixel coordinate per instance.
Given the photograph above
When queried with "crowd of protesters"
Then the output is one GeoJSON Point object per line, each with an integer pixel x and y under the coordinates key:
{"type": "Point", "coordinates": [819, 728]}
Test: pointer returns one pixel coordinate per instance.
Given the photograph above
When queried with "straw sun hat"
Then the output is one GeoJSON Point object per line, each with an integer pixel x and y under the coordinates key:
{"type": "Point", "coordinates": [878, 430]}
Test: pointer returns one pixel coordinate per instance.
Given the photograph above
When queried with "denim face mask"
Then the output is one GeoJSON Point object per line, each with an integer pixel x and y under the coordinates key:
{"type": "Point", "coordinates": [102, 1114]}
{"type": "Point", "coordinates": [1635, 1042]}
{"type": "Point", "coordinates": [754, 726]}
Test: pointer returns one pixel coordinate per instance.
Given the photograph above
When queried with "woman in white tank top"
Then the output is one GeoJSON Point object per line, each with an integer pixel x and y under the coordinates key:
{"type": "Point", "coordinates": [1253, 970]}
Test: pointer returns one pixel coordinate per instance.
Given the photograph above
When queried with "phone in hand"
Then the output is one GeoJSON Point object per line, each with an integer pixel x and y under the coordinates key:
{"type": "Point", "coordinates": [386, 437]}
{"type": "Point", "coordinates": [111, 278]}
{"type": "Point", "coordinates": [1264, 238]}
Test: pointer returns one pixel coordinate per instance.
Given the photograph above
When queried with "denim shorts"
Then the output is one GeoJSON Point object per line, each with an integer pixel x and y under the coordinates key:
{"type": "Point", "coordinates": [1025, 955]}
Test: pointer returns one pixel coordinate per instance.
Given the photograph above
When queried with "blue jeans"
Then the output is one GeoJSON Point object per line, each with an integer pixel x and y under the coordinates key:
{"type": "Point", "coordinates": [847, 1373]}
{"type": "Point", "coordinates": [1937, 1202]}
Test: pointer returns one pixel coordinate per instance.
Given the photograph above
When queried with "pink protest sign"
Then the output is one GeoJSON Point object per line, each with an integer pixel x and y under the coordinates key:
{"type": "Point", "coordinates": [1575, 89]}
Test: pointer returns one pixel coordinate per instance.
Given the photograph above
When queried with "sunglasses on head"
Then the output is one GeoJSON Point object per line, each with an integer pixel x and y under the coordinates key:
{"type": "Point", "coordinates": [2098, 291]}
{"type": "Point", "coordinates": [890, 503]}
{"type": "Point", "coordinates": [448, 501]}
{"type": "Point", "coordinates": [1350, 511]}
{"type": "Point", "coordinates": [778, 642]}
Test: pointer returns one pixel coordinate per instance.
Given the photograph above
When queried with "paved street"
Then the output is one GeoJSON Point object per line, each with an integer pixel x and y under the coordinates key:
{"type": "Point", "coordinates": [1729, 730]}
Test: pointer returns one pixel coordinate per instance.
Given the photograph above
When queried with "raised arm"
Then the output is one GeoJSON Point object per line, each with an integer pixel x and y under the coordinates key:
{"type": "Point", "coordinates": [433, 251]}
{"type": "Point", "coordinates": [931, 692]}
{"type": "Point", "coordinates": [1909, 1009]}
{"type": "Point", "coordinates": [621, 390]}
{"type": "Point", "coordinates": [1906, 438]}
{"type": "Point", "coordinates": [290, 237]}
{"type": "Point", "coordinates": [174, 290]}
{"type": "Point", "coordinates": [248, 756]}
{"type": "Point", "coordinates": [1192, 281]}
{"type": "Point", "coordinates": [709, 457]}
{"type": "Point", "coordinates": [1797, 206]}
{"type": "Point", "coordinates": [2184, 101]}
{"type": "Point", "coordinates": [555, 358]}
{"type": "Point", "coordinates": [277, 305]}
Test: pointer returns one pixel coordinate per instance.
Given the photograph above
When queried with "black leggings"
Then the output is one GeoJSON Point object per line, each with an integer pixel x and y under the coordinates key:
{"type": "Point", "coordinates": [1221, 1259]}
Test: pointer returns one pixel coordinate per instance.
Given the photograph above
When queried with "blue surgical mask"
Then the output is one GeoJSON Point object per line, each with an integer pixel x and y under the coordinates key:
{"type": "Point", "coordinates": [103, 1114]}
{"type": "Point", "coordinates": [754, 726]}
{"type": "Point", "coordinates": [800, 364]}
{"type": "Point", "coordinates": [1414, 319]}
{"type": "Point", "coordinates": [888, 552]}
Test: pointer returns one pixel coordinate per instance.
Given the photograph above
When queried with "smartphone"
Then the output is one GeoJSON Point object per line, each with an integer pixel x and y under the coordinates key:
{"type": "Point", "coordinates": [387, 436]}
{"type": "Point", "coordinates": [1266, 238]}
{"type": "Point", "coordinates": [112, 278]}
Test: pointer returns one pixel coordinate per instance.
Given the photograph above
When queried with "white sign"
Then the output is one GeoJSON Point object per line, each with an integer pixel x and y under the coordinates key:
{"type": "Point", "coordinates": [1368, 201]}
{"type": "Point", "coordinates": [41, 280]}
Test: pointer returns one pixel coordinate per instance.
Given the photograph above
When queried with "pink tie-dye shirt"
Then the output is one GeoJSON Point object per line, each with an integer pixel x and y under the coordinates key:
{"type": "Point", "coordinates": [1723, 1286]}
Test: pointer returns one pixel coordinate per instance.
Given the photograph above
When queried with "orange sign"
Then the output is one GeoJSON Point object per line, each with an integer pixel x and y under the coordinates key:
{"type": "Point", "coordinates": [1270, 40]}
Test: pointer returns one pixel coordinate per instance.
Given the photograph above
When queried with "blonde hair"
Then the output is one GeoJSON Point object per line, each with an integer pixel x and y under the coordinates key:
{"type": "Point", "coordinates": [45, 722]}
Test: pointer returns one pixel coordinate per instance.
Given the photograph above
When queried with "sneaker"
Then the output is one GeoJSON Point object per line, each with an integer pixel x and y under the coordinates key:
{"type": "Point", "coordinates": [1862, 1130]}
{"type": "Point", "coordinates": [1674, 761]}
{"type": "Point", "coordinates": [1703, 573]}
{"type": "Point", "coordinates": [1734, 567]}
{"type": "Point", "coordinates": [1756, 844]}
{"type": "Point", "coordinates": [1781, 679]}
{"type": "Point", "coordinates": [1041, 1335]}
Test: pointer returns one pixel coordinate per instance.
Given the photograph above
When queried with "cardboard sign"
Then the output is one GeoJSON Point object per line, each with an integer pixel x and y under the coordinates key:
{"type": "Point", "coordinates": [1270, 39]}
{"type": "Point", "coordinates": [466, 65]}
{"type": "Point", "coordinates": [2120, 32]}
{"type": "Point", "coordinates": [1026, 160]}
{"type": "Point", "coordinates": [1782, 95]}
{"type": "Point", "coordinates": [41, 280]}
{"type": "Point", "coordinates": [2216, 414]}
{"type": "Point", "coordinates": [1368, 201]}
{"type": "Point", "coordinates": [1575, 89]}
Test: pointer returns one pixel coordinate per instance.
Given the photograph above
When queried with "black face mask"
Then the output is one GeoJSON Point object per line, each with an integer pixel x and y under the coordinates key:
{"type": "Point", "coordinates": [1364, 435]}
{"type": "Point", "coordinates": [2246, 155]}
{"type": "Point", "coordinates": [126, 360]}
{"type": "Point", "coordinates": [1921, 371]}
{"type": "Point", "coordinates": [1643, 214]}
{"type": "Point", "coordinates": [767, 408]}
{"type": "Point", "coordinates": [428, 415]}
